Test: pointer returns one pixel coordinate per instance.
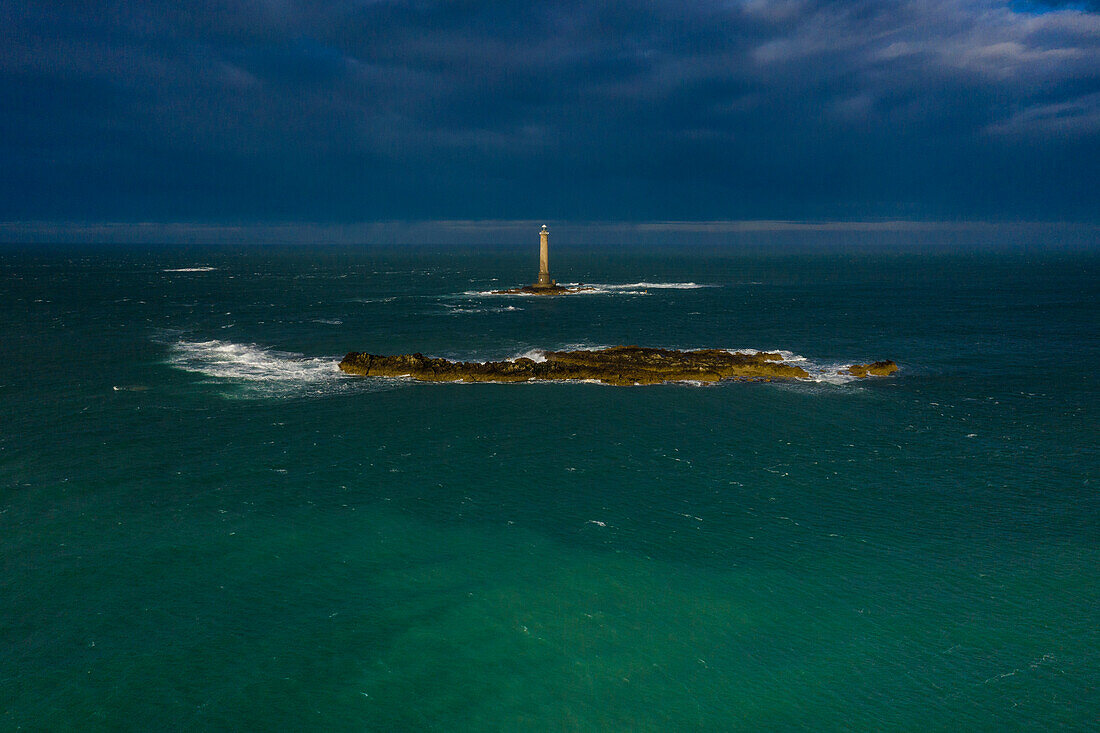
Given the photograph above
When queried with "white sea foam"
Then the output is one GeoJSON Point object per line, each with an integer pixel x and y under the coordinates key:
{"type": "Point", "coordinates": [488, 294]}
{"type": "Point", "coordinates": [788, 356]}
{"type": "Point", "coordinates": [250, 362]}
{"type": "Point", "coordinates": [536, 355]}
{"type": "Point", "coordinates": [644, 286]}
{"type": "Point", "coordinates": [455, 310]}
{"type": "Point", "coordinates": [824, 372]}
{"type": "Point", "coordinates": [539, 355]}
{"type": "Point", "coordinates": [830, 373]}
{"type": "Point", "coordinates": [639, 288]}
{"type": "Point", "coordinates": [260, 371]}
{"type": "Point", "coordinates": [821, 372]}
{"type": "Point", "coordinates": [190, 269]}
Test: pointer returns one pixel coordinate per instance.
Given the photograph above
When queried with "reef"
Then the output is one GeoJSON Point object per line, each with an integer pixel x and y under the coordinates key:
{"type": "Point", "coordinates": [876, 369]}
{"type": "Point", "coordinates": [554, 289]}
{"type": "Point", "coordinates": [617, 365]}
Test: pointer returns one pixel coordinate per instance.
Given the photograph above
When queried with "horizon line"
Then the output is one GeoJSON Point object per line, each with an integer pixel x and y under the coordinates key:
{"type": "Point", "coordinates": [470, 231]}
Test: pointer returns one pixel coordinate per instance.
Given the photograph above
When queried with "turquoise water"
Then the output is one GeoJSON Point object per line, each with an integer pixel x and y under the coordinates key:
{"type": "Point", "coordinates": [204, 525]}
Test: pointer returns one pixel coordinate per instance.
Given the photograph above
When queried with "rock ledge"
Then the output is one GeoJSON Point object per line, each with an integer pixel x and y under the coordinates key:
{"type": "Point", "coordinates": [875, 369]}
{"type": "Point", "coordinates": [554, 289]}
{"type": "Point", "coordinates": [617, 365]}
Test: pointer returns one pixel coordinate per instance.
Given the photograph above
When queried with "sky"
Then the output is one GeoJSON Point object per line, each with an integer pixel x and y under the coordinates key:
{"type": "Point", "coordinates": [247, 112]}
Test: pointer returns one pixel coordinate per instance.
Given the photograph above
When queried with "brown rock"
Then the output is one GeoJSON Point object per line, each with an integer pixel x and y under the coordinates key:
{"type": "Point", "coordinates": [618, 365]}
{"type": "Point", "coordinates": [543, 290]}
{"type": "Point", "coordinates": [877, 369]}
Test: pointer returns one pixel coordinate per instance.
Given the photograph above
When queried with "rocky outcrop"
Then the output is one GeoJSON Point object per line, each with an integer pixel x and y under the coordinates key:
{"type": "Point", "coordinates": [543, 290]}
{"type": "Point", "coordinates": [874, 369]}
{"type": "Point", "coordinates": [618, 365]}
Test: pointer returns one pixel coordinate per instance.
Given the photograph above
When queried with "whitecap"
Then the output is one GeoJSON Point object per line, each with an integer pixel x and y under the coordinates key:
{"type": "Point", "coordinates": [788, 356]}
{"type": "Point", "coordinates": [638, 288]}
{"type": "Point", "coordinates": [536, 355]}
{"type": "Point", "coordinates": [458, 310]}
{"type": "Point", "coordinates": [190, 269]}
{"type": "Point", "coordinates": [649, 286]}
{"type": "Point", "coordinates": [260, 371]}
{"type": "Point", "coordinates": [822, 372]}
{"type": "Point", "coordinates": [829, 374]}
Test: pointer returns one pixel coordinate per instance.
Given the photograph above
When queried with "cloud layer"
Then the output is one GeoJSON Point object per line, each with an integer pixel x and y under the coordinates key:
{"type": "Point", "coordinates": [353, 110]}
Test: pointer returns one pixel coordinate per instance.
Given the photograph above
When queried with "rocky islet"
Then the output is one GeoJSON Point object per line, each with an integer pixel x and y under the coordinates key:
{"type": "Point", "coordinates": [616, 365]}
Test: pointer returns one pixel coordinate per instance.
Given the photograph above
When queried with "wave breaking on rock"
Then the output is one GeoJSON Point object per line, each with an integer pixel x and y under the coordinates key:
{"type": "Point", "coordinates": [616, 365]}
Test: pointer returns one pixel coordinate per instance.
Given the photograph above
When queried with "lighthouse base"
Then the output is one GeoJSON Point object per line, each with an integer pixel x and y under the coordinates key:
{"type": "Point", "coordinates": [552, 289]}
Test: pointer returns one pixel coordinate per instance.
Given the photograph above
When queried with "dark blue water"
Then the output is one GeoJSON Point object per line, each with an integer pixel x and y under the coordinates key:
{"type": "Point", "coordinates": [203, 524]}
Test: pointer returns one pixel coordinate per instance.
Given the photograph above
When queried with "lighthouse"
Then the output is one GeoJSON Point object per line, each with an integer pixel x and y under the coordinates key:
{"type": "Point", "coordinates": [544, 260]}
{"type": "Point", "coordinates": [545, 284]}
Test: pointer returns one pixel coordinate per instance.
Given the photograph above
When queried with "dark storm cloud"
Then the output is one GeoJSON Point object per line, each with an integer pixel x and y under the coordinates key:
{"type": "Point", "coordinates": [345, 111]}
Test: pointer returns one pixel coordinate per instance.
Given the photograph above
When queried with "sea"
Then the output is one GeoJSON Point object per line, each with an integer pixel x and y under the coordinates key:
{"type": "Point", "coordinates": [205, 525]}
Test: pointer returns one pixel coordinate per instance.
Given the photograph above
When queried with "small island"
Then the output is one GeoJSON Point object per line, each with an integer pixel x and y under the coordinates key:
{"type": "Point", "coordinates": [545, 285]}
{"type": "Point", "coordinates": [554, 289]}
{"type": "Point", "coordinates": [617, 365]}
{"type": "Point", "coordinates": [874, 369]}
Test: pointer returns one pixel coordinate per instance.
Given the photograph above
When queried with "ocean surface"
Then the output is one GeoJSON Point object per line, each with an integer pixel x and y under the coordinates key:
{"type": "Point", "coordinates": [205, 525]}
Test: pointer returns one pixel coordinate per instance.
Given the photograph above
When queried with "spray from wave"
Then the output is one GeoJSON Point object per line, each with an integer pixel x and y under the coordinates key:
{"type": "Point", "coordinates": [254, 371]}
{"type": "Point", "coordinates": [821, 372]}
{"type": "Point", "coordinates": [259, 371]}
